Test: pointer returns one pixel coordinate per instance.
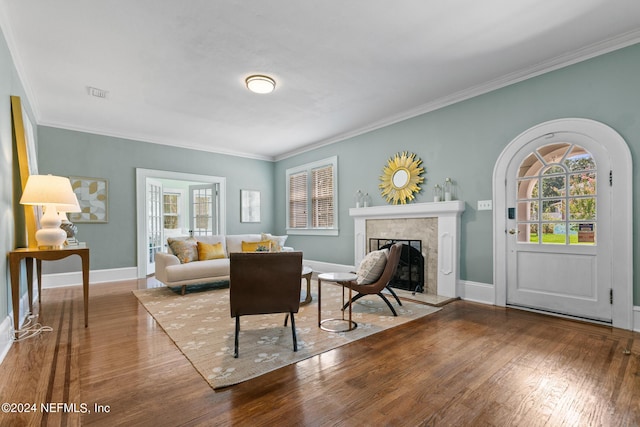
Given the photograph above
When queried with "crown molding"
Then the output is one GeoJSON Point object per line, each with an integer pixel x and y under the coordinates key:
{"type": "Point", "coordinates": [625, 40]}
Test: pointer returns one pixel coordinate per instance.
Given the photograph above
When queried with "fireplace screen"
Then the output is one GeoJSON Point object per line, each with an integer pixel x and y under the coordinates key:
{"type": "Point", "coordinates": [410, 272]}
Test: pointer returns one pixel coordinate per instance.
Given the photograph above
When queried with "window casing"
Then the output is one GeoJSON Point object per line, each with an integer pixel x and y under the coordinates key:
{"type": "Point", "coordinates": [312, 199]}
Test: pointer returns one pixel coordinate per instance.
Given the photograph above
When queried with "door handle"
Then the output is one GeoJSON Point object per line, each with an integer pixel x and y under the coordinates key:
{"type": "Point", "coordinates": [514, 231]}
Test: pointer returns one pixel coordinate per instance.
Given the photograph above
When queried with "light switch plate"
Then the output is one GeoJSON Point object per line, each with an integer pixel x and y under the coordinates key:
{"type": "Point", "coordinates": [485, 205]}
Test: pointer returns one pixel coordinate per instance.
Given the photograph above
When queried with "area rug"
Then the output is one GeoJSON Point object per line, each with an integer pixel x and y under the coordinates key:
{"type": "Point", "coordinates": [202, 328]}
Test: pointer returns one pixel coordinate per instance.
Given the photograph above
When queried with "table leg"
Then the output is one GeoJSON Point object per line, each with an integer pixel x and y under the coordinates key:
{"type": "Point", "coordinates": [39, 273]}
{"type": "Point", "coordinates": [319, 299]}
{"type": "Point", "coordinates": [85, 286]}
{"type": "Point", "coordinates": [29, 265]}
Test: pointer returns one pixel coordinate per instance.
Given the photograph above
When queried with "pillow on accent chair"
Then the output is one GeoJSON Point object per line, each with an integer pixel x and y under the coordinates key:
{"type": "Point", "coordinates": [184, 248]}
{"type": "Point", "coordinates": [277, 242]}
{"type": "Point", "coordinates": [372, 266]}
{"type": "Point", "coordinates": [263, 246]}
{"type": "Point", "coordinates": [208, 251]}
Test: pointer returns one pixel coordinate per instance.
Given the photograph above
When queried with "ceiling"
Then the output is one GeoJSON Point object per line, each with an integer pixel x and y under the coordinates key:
{"type": "Point", "coordinates": [174, 70]}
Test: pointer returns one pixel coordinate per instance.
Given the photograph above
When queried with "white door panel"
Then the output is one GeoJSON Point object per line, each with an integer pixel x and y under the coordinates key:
{"type": "Point", "coordinates": [556, 195]}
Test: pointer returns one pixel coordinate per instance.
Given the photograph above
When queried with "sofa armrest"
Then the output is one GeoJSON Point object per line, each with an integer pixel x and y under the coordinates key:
{"type": "Point", "coordinates": [164, 260]}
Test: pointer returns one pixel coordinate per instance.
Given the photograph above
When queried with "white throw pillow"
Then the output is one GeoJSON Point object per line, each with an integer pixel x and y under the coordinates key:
{"type": "Point", "coordinates": [372, 266]}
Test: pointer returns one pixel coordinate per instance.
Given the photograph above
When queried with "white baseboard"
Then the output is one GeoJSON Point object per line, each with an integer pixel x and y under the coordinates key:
{"type": "Point", "coordinates": [6, 327]}
{"type": "Point", "coordinates": [6, 339]}
{"type": "Point", "coordinates": [95, 276]}
{"type": "Point", "coordinates": [477, 292]}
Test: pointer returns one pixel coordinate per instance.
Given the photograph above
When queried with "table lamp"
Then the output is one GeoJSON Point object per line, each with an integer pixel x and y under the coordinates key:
{"type": "Point", "coordinates": [49, 191]}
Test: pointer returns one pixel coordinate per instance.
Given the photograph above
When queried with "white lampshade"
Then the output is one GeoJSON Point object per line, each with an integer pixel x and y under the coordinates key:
{"type": "Point", "coordinates": [64, 208]}
{"type": "Point", "coordinates": [49, 191]}
{"type": "Point", "coordinates": [260, 84]}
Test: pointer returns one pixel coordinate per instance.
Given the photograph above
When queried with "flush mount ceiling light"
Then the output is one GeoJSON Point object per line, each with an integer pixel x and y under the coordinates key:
{"type": "Point", "coordinates": [260, 84]}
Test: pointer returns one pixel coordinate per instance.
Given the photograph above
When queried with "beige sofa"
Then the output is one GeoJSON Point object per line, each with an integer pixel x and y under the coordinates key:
{"type": "Point", "coordinates": [172, 272]}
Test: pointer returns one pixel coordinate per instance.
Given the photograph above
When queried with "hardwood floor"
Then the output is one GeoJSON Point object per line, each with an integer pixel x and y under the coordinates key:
{"type": "Point", "coordinates": [467, 365]}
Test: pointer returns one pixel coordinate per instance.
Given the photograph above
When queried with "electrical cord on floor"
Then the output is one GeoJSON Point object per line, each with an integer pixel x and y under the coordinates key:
{"type": "Point", "coordinates": [30, 329]}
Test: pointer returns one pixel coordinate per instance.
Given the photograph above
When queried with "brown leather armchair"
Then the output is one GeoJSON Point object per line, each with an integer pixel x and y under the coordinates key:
{"type": "Point", "coordinates": [383, 281]}
{"type": "Point", "coordinates": [265, 283]}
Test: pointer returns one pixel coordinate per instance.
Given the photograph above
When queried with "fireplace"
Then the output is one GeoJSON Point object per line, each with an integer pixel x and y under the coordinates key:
{"type": "Point", "coordinates": [440, 224]}
{"type": "Point", "coordinates": [409, 274]}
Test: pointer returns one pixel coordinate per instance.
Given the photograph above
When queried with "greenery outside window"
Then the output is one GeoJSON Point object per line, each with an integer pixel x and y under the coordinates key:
{"type": "Point", "coordinates": [312, 198]}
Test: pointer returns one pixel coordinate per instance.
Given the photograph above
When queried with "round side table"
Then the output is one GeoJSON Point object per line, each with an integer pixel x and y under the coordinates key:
{"type": "Point", "coordinates": [337, 278]}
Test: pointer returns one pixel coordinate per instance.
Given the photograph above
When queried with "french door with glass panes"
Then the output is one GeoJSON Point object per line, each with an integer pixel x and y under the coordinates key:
{"type": "Point", "coordinates": [203, 200]}
{"type": "Point", "coordinates": [155, 240]}
{"type": "Point", "coordinates": [559, 227]}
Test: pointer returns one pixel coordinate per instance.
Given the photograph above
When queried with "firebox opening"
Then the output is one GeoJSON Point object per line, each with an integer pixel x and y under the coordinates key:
{"type": "Point", "coordinates": [410, 272]}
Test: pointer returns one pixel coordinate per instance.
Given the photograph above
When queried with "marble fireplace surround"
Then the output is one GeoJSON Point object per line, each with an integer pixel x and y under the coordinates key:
{"type": "Point", "coordinates": [446, 234]}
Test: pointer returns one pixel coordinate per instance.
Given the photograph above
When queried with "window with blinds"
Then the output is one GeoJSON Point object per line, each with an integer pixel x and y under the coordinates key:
{"type": "Point", "coordinates": [312, 198]}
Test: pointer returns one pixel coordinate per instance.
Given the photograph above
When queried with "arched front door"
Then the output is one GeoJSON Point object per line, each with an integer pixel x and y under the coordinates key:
{"type": "Point", "coordinates": [555, 233]}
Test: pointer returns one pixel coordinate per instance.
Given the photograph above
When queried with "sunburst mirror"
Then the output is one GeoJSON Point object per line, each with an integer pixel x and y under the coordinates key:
{"type": "Point", "coordinates": [401, 178]}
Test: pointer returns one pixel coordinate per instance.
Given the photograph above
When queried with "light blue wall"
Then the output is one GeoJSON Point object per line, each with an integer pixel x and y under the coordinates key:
{"type": "Point", "coordinates": [10, 211]}
{"type": "Point", "coordinates": [113, 245]}
{"type": "Point", "coordinates": [463, 141]}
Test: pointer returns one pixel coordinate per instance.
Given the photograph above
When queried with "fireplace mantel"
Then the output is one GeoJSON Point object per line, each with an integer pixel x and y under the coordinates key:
{"type": "Point", "coordinates": [448, 214]}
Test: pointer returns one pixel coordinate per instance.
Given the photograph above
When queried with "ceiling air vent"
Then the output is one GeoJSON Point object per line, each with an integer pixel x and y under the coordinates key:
{"type": "Point", "coordinates": [98, 93]}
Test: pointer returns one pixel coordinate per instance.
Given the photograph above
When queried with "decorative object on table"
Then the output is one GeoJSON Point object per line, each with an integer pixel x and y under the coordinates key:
{"type": "Point", "coordinates": [437, 193]}
{"type": "Point", "coordinates": [357, 198]}
{"type": "Point", "coordinates": [70, 228]}
{"type": "Point", "coordinates": [49, 191]}
{"type": "Point", "coordinates": [92, 196]}
{"type": "Point", "coordinates": [447, 188]}
{"type": "Point", "coordinates": [366, 200]}
{"type": "Point", "coordinates": [249, 206]}
{"type": "Point", "coordinates": [401, 178]}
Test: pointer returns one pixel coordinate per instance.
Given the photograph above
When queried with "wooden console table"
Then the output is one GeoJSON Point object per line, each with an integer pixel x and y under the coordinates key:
{"type": "Point", "coordinates": [29, 254]}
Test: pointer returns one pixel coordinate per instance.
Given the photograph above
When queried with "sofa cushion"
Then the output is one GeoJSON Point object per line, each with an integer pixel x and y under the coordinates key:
{"type": "Point", "coordinates": [211, 240]}
{"type": "Point", "coordinates": [234, 241]}
{"type": "Point", "coordinates": [184, 248]}
{"type": "Point", "coordinates": [277, 242]}
{"type": "Point", "coordinates": [210, 251]}
{"type": "Point", "coordinates": [213, 268]}
{"type": "Point", "coordinates": [372, 266]}
{"type": "Point", "coordinates": [261, 246]}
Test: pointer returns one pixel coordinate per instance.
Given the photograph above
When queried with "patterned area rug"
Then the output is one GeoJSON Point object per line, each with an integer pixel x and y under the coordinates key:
{"type": "Point", "coordinates": [202, 328]}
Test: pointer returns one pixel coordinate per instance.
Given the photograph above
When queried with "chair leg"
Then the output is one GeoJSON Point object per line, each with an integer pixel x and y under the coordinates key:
{"type": "Point", "coordinates": [184, 289]}
{"type": "Point", "coordinates": [293, 332]}
{"type": "Point", "coordinates": [390, 289]}
{"type": "Point", "coordinates": [388, 303]}
{"type": "Point", "coordinates": [235, 350]}
{"type": "Point", "coordinates": [354, 299]}
{"type": "Point", "coordinates": [286, 318]}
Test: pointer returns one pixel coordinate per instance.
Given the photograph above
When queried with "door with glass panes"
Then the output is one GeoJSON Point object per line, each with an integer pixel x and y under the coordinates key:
{"type": "Point", "coordinates": [559, 227]}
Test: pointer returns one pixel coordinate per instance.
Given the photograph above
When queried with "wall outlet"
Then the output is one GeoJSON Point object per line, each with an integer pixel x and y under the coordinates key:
{"type": "Point", "coordinates": [485, 205]}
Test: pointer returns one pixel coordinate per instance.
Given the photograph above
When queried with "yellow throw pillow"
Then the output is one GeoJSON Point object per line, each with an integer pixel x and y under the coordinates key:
{"type": "Point", "coordinates": [263, 246]}
{"type": "Point", "coordinates": [210, 251]}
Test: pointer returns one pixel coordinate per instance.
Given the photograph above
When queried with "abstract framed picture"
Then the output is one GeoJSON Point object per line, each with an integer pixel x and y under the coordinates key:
{"type": "Point", "coordinates": [92, 196]}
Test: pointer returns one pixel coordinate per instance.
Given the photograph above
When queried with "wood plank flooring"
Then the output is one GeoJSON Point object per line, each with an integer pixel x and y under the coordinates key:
{"type": "Point", "coordinates": [467, 365]}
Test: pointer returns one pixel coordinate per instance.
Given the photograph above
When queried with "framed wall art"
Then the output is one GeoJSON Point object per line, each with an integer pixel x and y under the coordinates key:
{"type": "Point", "coordinates": [249, 206]}
{"type": "Point", "coordinates": [92, 196]}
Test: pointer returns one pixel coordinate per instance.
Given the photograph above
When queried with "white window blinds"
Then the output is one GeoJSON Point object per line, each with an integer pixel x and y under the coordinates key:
{"type": "Point", "coordinates": [298, 200]}
{"type": "Point", "coordinates": [312, 198]}
{"type": "Point", "coordinates": [322, 197]}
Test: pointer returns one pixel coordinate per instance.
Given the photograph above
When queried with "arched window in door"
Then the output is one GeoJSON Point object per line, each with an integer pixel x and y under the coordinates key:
{"type": "Point", "coordinates": [556, 196]}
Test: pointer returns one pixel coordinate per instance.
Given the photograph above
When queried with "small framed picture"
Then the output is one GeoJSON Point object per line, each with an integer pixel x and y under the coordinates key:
{"type": "Point", "coordinates": [249, 206]}
{"type": "Point", "coordinates": [92, 196]}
